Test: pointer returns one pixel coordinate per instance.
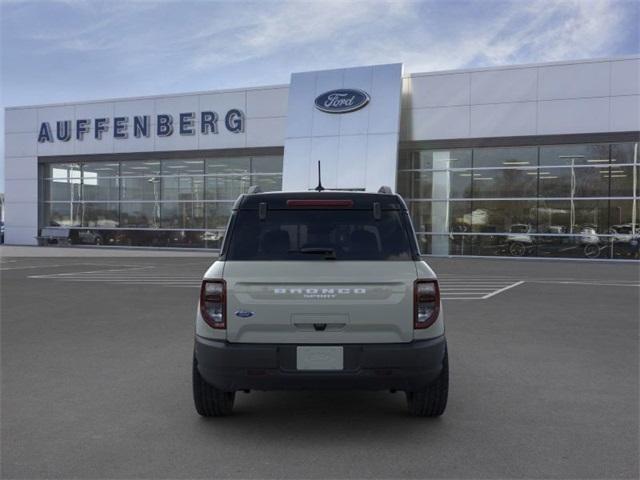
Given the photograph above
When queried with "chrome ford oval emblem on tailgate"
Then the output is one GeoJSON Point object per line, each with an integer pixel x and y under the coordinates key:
{"type": "Point", "coordinates": [342, 101]}
{"type": "Point", "coordinates": [244, 314]}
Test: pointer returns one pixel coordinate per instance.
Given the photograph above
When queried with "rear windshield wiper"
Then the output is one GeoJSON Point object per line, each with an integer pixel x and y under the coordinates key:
{"type": "Point", "coordinates": [329, 253]}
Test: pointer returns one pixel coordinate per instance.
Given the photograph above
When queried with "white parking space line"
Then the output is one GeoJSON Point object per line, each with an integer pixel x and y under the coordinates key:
{"type": "Point", "coordinates": [131, 275]}
{"type": "Point", "coordinates": [472, 287]}
{"type": "Point", "coordinates": [607, 284]}
{"type": "Point", "coordinates": [111, 277]}
{"type": "Point", "coordinates": [30, 267]}
{"type": "Point", "coordinates": [92, 272]}
{"type": "Point", "coordinates": [130, 280]}
{"type": "Point", "coordinates": [477, 288]}
{"type": "Point", "coordinates": [503, 290]}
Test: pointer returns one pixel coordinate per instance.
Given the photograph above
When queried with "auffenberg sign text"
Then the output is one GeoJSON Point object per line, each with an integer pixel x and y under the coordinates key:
{"type": "Point", "coordinates": [140, 126]}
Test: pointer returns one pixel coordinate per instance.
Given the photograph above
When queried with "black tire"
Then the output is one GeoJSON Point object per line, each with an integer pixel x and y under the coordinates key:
{"type": "Point", "coordinates": [209, 401]}
{"type": "Point", "coordinates": [517, 249]}
{"type": "Point", "coordinates": [431, 402]}
{"type": "Point", "coordinates": [591, 251]}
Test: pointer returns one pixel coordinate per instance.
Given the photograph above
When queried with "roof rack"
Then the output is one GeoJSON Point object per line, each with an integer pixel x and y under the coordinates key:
{"type": "Point", "coordinates": [254, 189]}
{"type": "Point", "coordinates": [385, 189]}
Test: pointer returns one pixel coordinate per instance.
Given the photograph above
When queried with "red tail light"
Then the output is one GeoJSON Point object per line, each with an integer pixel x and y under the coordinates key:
{"type": "Point", "coordinates": [426, 303]}
{"type": "Point", "coordinates": [213, 303]}
{"type": "Point", "coordinates": [326, 203]}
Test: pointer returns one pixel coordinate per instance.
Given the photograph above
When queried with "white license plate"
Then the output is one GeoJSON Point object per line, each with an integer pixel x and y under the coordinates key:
{"type": "Point", "coordinates": [319, 358]}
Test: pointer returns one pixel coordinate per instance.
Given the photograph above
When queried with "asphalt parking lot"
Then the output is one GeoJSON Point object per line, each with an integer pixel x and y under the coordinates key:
{"type": "Point", "coordinates": [96, 364]}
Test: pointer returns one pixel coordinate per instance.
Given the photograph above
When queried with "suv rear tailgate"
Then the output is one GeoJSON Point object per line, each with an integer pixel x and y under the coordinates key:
{"type": "Point", "coordinates": [302, 302]}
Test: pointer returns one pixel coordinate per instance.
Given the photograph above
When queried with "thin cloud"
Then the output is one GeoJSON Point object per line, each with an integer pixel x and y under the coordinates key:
{"type": "Point", "coordinates": [297, 24]}
{"type": "Point", "coordinates": [214, 35]}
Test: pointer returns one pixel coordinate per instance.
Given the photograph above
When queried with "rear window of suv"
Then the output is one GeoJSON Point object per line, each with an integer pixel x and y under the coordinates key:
{"type": "Point", "coordinates": [334, 234]}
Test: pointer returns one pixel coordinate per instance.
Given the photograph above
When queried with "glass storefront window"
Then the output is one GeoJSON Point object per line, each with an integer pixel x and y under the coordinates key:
{"type": "Point", "coordinates": [227, 178]}
{"type": "Point", "coordinates": [140, 188]}
{"type": "Point", "coordinates": [571, 155]}
{"type": "Point", "coordinates": [227, 187]}
{"type": "Point", "coordinates": [60, 189]}
{"type": "Point", "coordinates": [435, 184]}
{"type": "Point", "coordinates": [622, 213]}
{"type": "Point", "coordinates": [139, 168]}
{"type": "Point", "coordinates": [103, 189]}
{"type": "Point", "coordinates": [61, 171]}
{"type": "Point", "coordinates": [623, 180]}
{"type": "Point", "coordinates": [412, 186]}
{"type": "Point", "coordinates": [182, 188]}
{"type": "Point", "coordinates": [182, 215]}
{"type": "Point", "coordinates": [420, 212]}
{"type": "Point", "coordinates": [624, 153]}
{"type": "Point", "coordinates": [266, 164]}
{"type": "Point", "coordinates": [505, 157]}
{"type": "Point", "coordinates": [624, 217]}
{"type": "Point", "coordinates": [500, 216]}
{"type": "Point", "coordinates": [460, 217]}
{"type": "Point", "coordinates": [486, 245]}
{"type": "Point", "coordinates": [62, 214]}
{"type": "Point", "coordinates": [461, 183]}
{"type": "Point", "coordinates": [91, 170]}
{"type": "Point", "coordinates": [424, 243]}
{"type": "Point", "coordinates": [218, 214]}
{"type": "Point", "coordinates": [577, 201]}
{"type": "Point", "coordinates": [466, 201]}
{"type": "Point", "coordinates": [182, 167]}
{"type": "Point", "coordinates": [268, 182]}
{"type": "Point", "coordinates": [440, 216]}
{"type": "Point", "coordinates": [445, 244]}
{"type": "Point", "coordinates": [100, 181]}
{"type": "Point", "coordinates": [574, 182]}
{"type": "Point", "coordinates": [435, 159]}
{"type": "Point", "coordinates": [573, 217]}
{"type": "Point", "coordinates": [228, 165]}
{"type": "Point", "coordinates": [579, 246]}
{"type": "Point", "coordinates": [105, 215]}
{"type": "Point", "coordinates": [140, 214]}
{"type": "Point", "coordinates": [504, 183]}
{"type": "Point", "coordinates": [161, 202]}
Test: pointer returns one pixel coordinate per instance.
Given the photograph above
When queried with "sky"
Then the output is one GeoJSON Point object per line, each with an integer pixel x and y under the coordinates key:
{"type": "Point", "coordinates": [73, 50]}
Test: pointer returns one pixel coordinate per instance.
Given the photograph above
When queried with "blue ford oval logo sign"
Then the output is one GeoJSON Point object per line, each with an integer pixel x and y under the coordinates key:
{"type": "Point", "coordinates": [342, 101]}
{"type": "Point", "coordinates": [244, 314]}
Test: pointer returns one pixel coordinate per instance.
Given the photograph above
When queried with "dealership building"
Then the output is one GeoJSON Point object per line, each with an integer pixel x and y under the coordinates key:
{"type": "Point", "coordinates": [533, 160]}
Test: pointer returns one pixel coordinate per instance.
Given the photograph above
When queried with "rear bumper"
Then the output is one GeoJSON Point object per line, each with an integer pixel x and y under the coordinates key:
{"type": "Point", "coordinates": [396, 366]}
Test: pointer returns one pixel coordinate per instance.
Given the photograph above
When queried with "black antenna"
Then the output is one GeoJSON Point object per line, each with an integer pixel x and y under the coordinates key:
{"type": "Point", "coordinates": [319, 188]}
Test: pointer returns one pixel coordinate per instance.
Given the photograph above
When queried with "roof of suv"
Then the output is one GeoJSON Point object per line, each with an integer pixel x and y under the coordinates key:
{"type": "Point", "coordinates": [361, 200]}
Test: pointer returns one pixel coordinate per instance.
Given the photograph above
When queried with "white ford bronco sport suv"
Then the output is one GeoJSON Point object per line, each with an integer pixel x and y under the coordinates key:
{"type": "Point", "coordinates": [320, 290]}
